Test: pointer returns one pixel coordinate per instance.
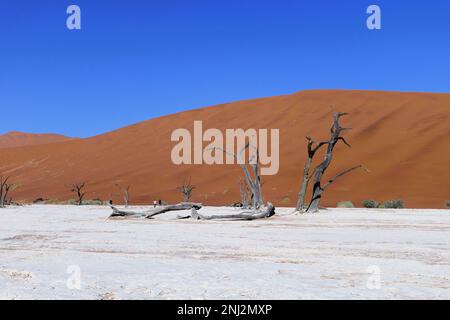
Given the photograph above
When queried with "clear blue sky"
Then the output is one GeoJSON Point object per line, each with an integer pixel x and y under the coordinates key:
{"type": "Point", "coordinates": [134, 60]}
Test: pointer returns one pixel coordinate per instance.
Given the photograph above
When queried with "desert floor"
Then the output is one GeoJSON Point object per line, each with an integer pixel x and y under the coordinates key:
{"type": "Point", "coordinates": [338, 253]}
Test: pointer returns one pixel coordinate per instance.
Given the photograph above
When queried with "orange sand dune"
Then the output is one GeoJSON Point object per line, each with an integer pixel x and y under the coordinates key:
{"type": "Point", "coordinates": [20, 139]}
{"type": "Point", "coordinates": [403, 138]}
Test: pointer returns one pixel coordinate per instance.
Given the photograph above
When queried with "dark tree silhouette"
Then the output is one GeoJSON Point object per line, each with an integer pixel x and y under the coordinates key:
{"type": "Point", "coordinates": [186, 189]}
{"type": "Point", "coordinates": [77, 188]}
{"type": "Point", "coordinates": [5, 187]}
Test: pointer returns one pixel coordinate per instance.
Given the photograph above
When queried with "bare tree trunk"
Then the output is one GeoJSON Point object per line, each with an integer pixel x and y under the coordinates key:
{"type": "Point", "coordinates": [4, 189]}
{"type": "Point", "coordinates": [300, 207]}
{"type": "Point", "coordinates": [317, 196]}
{"type": "Point", "coordinates": [5, 195]}
{"type": "Point", "coordinates": [246, 193]}
{"type": "Point", "coordinates": [255, 181]}
{"type": "Point", "coordinates": [126, 196]}
{"type": "Point", "coordinates": [257, 193]}
{"type": "Point", "coordinates": [322, 167]}
{"type": "Point", "coordinates": [302, 193]}
{"type": "Point", "coordinates": [319, 171]}
{"type": "Point", "coordinates": [80, 198]}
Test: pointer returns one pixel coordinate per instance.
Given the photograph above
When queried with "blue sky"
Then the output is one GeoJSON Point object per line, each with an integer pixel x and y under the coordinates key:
{"type": "Point", "coordinates": [134, 60]}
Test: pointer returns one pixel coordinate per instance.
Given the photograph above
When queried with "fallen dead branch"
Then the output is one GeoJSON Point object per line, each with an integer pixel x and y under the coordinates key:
{"type": "Point", "coordinates": [151, 213]}
{"type": "Point", "coordinates": [265, 213]}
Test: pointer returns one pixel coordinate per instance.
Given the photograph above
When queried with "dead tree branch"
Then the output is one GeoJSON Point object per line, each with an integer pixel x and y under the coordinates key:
{"type": "Point", "coordinates": [268, 212]}
{"type": "Point", "coordinates": [326, 185]}
{"type": "Point", "coordinates": [151, 213]}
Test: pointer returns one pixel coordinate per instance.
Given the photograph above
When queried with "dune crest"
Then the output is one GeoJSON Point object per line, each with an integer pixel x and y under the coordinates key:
{"type": "Point", "coordinates": [14, 139]}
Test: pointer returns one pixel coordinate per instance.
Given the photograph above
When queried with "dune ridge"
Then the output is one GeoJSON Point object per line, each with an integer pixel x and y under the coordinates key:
{"type": "Point", "coordinates": [14, 139]}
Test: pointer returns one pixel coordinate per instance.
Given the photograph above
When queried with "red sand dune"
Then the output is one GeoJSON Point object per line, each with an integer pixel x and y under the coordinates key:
{"type": "Point", "coordinates": [403, 138]}
{"type": "Point", "coordinates": [19, 139]}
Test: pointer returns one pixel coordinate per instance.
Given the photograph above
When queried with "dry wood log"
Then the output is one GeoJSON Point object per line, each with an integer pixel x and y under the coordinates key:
{"type": "Point", "coordinates": [151, 213]}
{"type": "Point", "coordinates": [268, 212]}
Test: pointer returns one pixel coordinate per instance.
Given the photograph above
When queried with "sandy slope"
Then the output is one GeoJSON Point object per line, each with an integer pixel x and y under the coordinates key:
{"type": "Point", "coordinates": [328, 255]}
{"type": "Point", "coordinates": [403, 138]}
{"type": "Point", "coordinates": [19, 139]}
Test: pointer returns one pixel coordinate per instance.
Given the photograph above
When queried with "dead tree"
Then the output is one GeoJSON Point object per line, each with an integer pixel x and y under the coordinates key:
{"type": "Point", "coordinates": [186, 189]}
{"type": "Point", "coordinates": [126, 194]}
{"type": "Point", "coordinates": [5, 187]}
{"type": "Point", "coordinates": [318, 188]}
{"type": "Point", "coordinates": [300, 206]}
{"type": "Point", "coordinates": [77, 188]}
{"type": "Point", "coordinates": [253, 179]}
